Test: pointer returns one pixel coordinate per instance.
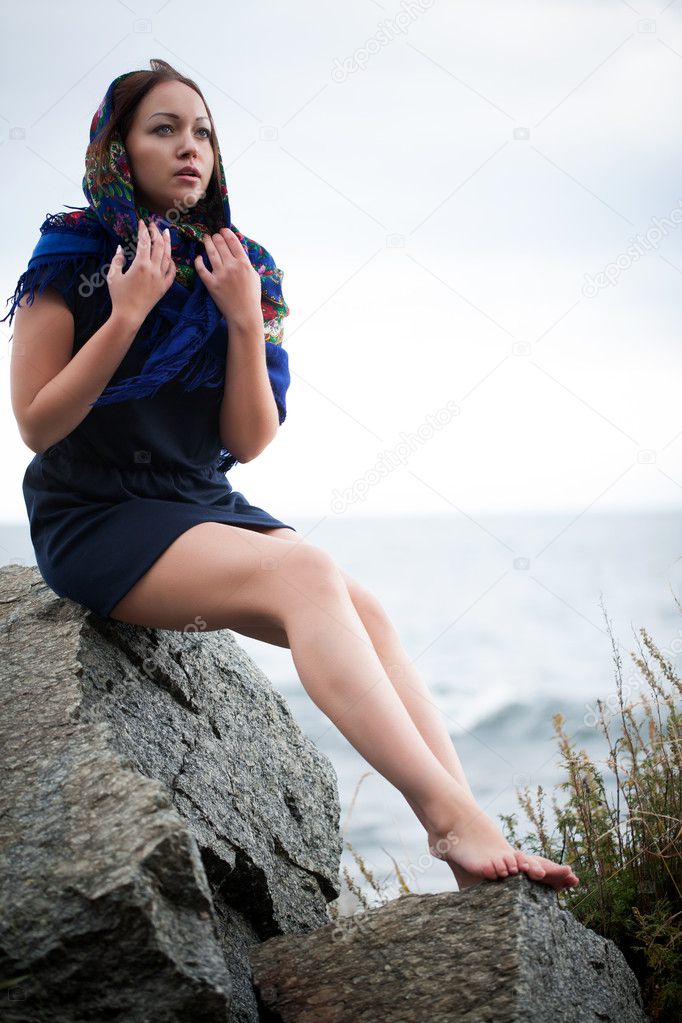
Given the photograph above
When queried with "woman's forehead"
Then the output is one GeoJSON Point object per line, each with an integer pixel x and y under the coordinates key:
{"type": "Point", "coordinates": [174, 97]}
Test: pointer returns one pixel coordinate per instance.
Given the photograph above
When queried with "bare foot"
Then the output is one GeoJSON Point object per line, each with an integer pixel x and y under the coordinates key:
{"type": "Point", "coordinates": [475, 849]}
{"type": "Point", "coordinates": [465, 879]}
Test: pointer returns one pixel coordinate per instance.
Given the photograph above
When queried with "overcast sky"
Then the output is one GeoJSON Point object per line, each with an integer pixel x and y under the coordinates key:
{"type": "Point", "coordinates": [478, 211]}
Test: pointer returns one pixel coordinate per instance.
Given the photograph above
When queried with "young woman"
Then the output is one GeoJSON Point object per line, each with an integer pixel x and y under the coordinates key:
{"type": "Point", "coordinates": [124, 385]}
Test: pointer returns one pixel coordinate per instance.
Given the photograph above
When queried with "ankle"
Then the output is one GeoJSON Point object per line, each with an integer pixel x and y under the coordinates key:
{"type": "Point", "coordinates": [440, 815]}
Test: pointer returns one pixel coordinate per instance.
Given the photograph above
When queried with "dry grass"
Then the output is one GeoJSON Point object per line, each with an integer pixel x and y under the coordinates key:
{"type": "Point", "coordinates": [625, 841]}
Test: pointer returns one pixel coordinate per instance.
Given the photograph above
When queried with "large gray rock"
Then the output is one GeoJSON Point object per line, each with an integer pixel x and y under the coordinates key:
{"type": "Point", "coordinates": [160, 812]}
{"type": "Point", "coordinates": [499, 952]}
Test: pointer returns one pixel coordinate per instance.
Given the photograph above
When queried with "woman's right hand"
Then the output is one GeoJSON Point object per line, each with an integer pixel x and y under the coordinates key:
{"type": "Point", "coordinates": [151, 273]}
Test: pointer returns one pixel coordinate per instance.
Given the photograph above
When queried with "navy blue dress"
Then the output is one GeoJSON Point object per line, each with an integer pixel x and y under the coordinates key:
{"type": "Point", "coordinates": [106, 500]}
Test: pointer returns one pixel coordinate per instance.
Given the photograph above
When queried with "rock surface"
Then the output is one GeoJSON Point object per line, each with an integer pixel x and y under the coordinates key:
{"type": "Point", "coordinates": [499, 952]}
{"type": "Point", "coordinates": [160, 812]}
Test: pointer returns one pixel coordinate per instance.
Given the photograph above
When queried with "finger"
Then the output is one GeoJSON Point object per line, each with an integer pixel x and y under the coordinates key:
{"type": "Point", "coordinates": [167, 263]}
{"type": "Point", "coordinates": [160, 246]}
{"type": "Point", "coordinates": [157, 248]}
{"type": "Point", "coordinates": [143, 239]}
{"type": "Point", "coordinates": [167, 247]}
{"type": "Point", "coordinates": [116, 262]}
{"type": "Point", "coordinates": [221, 244]}
{"type": "Point", "coordinates": [212, 251]}
{"type": "Point", "coordinates": [233, 243]}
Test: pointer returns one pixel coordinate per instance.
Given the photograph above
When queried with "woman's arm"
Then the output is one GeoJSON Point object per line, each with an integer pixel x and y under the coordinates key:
{"type": "Point", "coordinates": [52, 391]}
{"type": "Point", "coordinates": [249, 419]}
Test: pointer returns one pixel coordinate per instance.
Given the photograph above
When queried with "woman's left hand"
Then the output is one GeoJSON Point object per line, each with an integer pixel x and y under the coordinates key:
{"type": "Point", "coordinates": [233, 282]}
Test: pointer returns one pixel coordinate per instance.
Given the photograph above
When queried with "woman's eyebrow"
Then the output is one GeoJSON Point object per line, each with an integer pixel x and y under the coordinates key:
{"type": "Point", "coordinates": [164, 113]}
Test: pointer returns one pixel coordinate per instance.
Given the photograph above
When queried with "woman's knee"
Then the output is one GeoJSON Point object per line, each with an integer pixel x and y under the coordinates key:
{"type": "Point", "coordinates": [312, 574]}
{"type": "Point", "coordinates": [368, 606]}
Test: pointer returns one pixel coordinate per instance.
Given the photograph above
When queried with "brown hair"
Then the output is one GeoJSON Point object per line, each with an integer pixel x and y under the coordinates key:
{"type": "Point", "coordinates": [127, 96]}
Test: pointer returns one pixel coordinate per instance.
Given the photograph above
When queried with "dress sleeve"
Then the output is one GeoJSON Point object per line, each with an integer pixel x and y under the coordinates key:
{"type": "Point", "coordinates": [277, 361]}
{"type": "Point", "coordinates": [67, 285]}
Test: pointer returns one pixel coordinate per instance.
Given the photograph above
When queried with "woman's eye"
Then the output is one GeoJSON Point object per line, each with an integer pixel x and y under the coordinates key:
{"type": "Point", "coordinates": [208, 133]}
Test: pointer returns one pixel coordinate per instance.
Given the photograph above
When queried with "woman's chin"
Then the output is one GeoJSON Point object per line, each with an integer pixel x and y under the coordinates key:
{"type": "Point", "coordinates": [189, 196]}
{"type": "Point", "coordinates": [178, 200]}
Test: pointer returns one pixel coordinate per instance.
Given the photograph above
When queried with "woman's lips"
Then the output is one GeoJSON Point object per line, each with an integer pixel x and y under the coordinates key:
{"type": "Point", "coordinates": [187, 177]}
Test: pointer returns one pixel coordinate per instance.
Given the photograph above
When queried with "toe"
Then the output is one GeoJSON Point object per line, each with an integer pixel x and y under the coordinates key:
{"type": "Point", "coordinates": [522, 859]}
{"type": "Point", "coordinates": [535, 869]}
{"type": "Point", "coordinates": [488, 870]}
{"type": "Point", "coordinates": [512, 865]}
{"type": "Point", "coordinates": [557, 870]}
{"type": "Point", "coordinates": [500, 866]}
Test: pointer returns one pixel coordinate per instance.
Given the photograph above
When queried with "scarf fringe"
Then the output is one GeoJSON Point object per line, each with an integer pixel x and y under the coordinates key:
{"type": "Point", "coordinates": [83, 220]}
{"type": "Point", "coordinates": [38, 277]}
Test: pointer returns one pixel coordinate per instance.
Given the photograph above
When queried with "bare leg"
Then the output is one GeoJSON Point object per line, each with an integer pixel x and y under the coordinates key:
{"type": "Point", "coordinates": [419, 703]}
{"type": "Point", "coordinates": [357, 672]}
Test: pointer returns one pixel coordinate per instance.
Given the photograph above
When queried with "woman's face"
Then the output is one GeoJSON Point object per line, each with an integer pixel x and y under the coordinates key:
{"type": "Point", "coordinates": [159, 145]}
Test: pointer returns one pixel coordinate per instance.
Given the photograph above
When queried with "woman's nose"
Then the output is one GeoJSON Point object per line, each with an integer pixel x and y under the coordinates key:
{"type": "Point", "coordinates": [187, 142]}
